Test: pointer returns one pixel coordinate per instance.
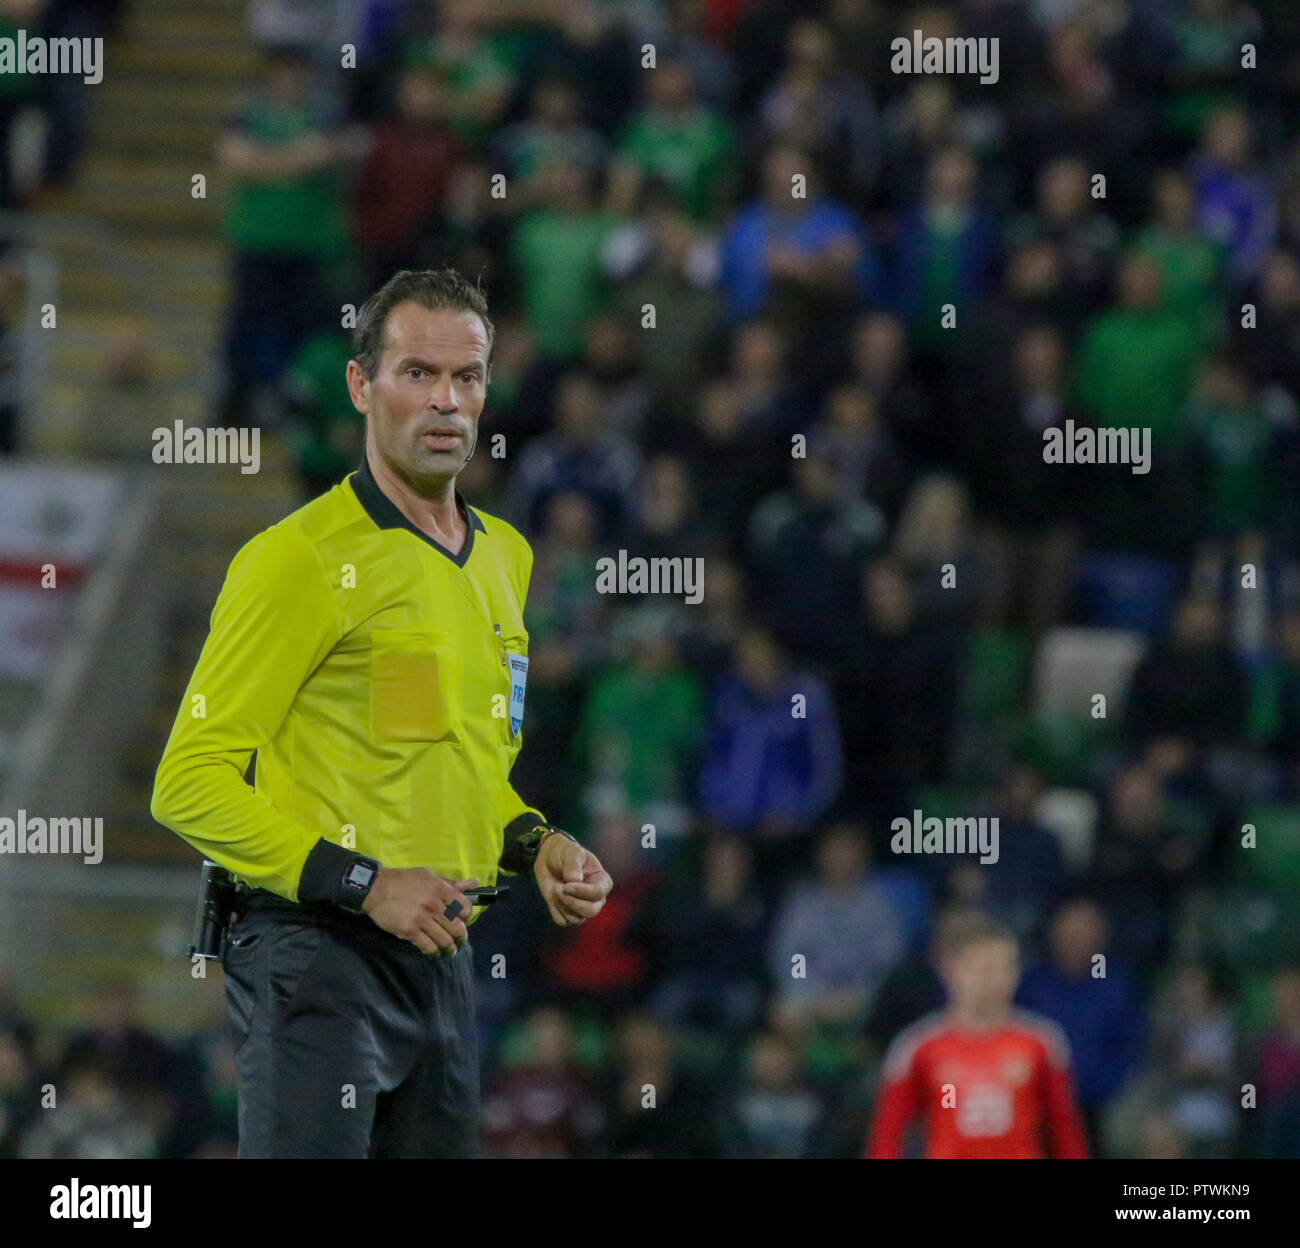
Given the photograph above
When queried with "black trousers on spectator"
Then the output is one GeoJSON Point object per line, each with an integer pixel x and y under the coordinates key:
{"type": "Point", "coordinates": [349, 1042]}
{"type": "Point", "coordinates": [277, 302]}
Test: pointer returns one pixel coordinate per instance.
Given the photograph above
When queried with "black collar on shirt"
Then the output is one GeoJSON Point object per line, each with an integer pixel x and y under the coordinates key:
{"type": "Point", "coordinates": [386, 514]}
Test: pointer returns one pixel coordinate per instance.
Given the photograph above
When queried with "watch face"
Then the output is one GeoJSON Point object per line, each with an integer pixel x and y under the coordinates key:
{"type": "Point", "coordinates": [360, 875]}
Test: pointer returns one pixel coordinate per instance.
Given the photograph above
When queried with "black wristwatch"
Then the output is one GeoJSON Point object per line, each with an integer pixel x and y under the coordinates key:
{"type": "Point", "coordinates": [524, 835]}
{"type": "Point", "coordinates": [337, 876]}
{"type": "Point", "coordinates": [357, 883]}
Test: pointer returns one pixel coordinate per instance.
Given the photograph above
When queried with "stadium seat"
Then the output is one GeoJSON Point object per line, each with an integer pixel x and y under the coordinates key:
{"type": "Point", "coordinates": [1071, 816]}
{"type": "Point", "coordinates": [997, 667]}
{"type": "Point", "coordinates": [1254, 1007]}
{"type": "Point", "coordinates": [1274, 863]}
{"type": "Point", "coordinates": [1249, 929]}
{"type": "Point", "coordinates": [1064, 749]}
{"type": "Point", "coordinates": [1075, 664]}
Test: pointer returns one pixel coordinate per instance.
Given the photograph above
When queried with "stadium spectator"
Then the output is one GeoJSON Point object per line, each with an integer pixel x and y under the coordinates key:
{"type": "Point", "coordinates": [880, 364]}
{"type": "Point", "coordinates": [1030, 533]}
{"type": "Point", "coordinates": [1085, 237]}
{"type": "Point", "coordinates": [662, 259]}
{"type": "Point", "coordinates": [1194, 1049]}
{"type": "Point", "coordinates": [946, 251]}
{"type": "Point", "coordinates": [95, 1121]}
{"type": "Point", "coordinates": [1136, 361]}
{"type": "Point", "coordinates": [1190, 685]}
{"type": "Point", "coordinates": [1191, 264]}
{"type": "Point", "coordinates": [1029, 878]}
{"type": "Point", "coordinates": [772, 763]}
{"type": "Point", "coordinates": [544, 1105]}
{"type": "Point", "coordinates": [647, 1074]}
{"type": "Point", "coordinates": [744, 419]}
{"type": "Point", "coordinates": [677, 139]}
{"type": "Point", "coordinates": [400, 190]}
{"type": "Point", "coordinates": [835, 937]}
{"type": "Point", "coordinates": [824, 110]}
{"type": "Point", "coordinates": [895, 692]}
{"type": "Point", "coordinates": [774, 1113]}
{"type": "Point", "coordinates": [556, 256]}
{"type": "Point", "coordinates": [283, 153]}
{"type": "Point", "coordinates": [805, 544]}
{"type": "Point", "coordinates": [1102, 1015]}
{"type": "Point", "coordinates": [862, 452]}
{"type": "Point", "coordinates": [322, 428]}
{"type": "Point", "coordinates": [1277, 1060]}
{"type": "Point", "coordinates": [718, 979]}
{"type": "Point", "coordinates": [554, 127]}
{"type": "Point", "coordinates": [1234, 204]}
{"type": "Point", "coordinates": [642, 728]}
{"type": "Point", "coordinates": [797, 252]}
{"type": "Point", "coordinates": [19, 1088]}
{"type": "Point", "coordinates": [579, 455]}
{"type": "Point", "coordinates": [608, 966]}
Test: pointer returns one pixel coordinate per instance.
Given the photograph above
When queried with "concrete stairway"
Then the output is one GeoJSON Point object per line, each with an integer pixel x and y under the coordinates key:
{"type": "Point", "coordinates": [140, 259]}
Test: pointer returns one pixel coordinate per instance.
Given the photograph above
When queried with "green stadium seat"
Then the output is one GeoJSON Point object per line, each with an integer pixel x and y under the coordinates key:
{"type": "Point", "coordinates": [1248, 929]}
{"type": "Point", "coordinates": [996, 674]}
{"type": "Point", "coordinates": [1064, 748]}
{"type": "Point", "coordinates": [1274, 863]}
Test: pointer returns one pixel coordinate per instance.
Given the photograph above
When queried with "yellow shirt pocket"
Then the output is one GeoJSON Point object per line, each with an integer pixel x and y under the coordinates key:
{"type": "Point", "coordinates": [415, 683]}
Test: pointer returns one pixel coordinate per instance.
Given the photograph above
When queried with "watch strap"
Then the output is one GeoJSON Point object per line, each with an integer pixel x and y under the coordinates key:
{"type": "Point", "coordinates": [523, 841]}
{"type": "Point", "coordinates": [337, 876]}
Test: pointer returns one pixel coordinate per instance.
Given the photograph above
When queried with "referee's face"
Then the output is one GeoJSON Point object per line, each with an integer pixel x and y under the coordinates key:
{"type": "Point", "coordinates": [424, 401]}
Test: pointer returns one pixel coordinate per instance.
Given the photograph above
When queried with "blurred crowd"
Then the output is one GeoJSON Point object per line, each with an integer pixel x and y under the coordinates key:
{"type": "Point", "coordinates": [837, 402]}
{"type": "Point", "coordinates": [43, 132]}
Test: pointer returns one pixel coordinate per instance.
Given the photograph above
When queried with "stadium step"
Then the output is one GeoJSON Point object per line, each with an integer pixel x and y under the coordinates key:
{"type": "Point", "coordinates": [189, 60]}
{"type": "Point", "coordinates": [138, 255]}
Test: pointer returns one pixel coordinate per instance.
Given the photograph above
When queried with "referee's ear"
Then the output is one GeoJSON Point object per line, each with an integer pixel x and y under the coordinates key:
{"type": "Point", "coordinates": [357, 383]}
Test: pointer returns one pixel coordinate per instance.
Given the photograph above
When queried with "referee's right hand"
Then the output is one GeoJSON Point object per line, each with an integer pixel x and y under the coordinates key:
{"type": "Point", "coordinates": [411, 902]}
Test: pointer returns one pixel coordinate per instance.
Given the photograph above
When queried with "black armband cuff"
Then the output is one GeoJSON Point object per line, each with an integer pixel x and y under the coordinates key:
{"type": "Point", "coordinates": [336, 876]}
{"type": "Point", "coordinates": [523, 840]}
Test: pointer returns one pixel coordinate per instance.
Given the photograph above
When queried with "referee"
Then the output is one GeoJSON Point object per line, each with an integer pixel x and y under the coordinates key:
{"type": "Point", "coordinates": [370, 648]}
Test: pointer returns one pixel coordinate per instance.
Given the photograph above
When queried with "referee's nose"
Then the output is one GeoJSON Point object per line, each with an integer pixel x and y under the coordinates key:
{"type": "Point", "coordinates": [442, 397]}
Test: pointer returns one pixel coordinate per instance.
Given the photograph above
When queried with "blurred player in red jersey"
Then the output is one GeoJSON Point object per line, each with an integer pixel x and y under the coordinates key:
{"type": "Point", "coordinates": [985, 1080]}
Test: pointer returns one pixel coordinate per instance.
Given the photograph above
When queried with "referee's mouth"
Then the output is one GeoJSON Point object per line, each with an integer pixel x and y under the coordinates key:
{"type": "Point", "coordinates": [441, 438]}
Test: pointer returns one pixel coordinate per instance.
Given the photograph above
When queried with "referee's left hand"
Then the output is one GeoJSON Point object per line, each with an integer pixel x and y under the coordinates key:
{"type": "Point", "coordinates": [572, 882]}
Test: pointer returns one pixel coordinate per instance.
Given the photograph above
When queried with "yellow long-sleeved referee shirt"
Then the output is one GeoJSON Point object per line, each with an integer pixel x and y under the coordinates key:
{"type": "Point", "coordinates": [379, 678]}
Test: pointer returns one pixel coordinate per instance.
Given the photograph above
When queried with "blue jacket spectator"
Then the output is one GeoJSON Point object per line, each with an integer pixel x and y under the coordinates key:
{"type": "Point", "coordinates": [769, 768]}
{"type": "Point", "coordinates": [946, 250]}
{"type": "Point", "coordinates": [814, 241]}
{"type": "Point", "coordinates": [1102, 1015]}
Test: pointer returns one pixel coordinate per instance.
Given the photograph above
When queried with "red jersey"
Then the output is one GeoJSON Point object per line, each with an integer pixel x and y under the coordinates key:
{"type": "Point", "coordinates": [1005, 1092]}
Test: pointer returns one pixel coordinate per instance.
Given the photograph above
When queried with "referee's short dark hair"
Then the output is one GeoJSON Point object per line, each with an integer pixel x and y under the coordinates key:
{"type": "Point", "coordinates": [430, 288]}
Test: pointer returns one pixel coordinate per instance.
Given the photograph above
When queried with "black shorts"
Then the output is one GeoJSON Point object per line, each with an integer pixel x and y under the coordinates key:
{"type": "Point", "coordinates": [349, 1042]}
